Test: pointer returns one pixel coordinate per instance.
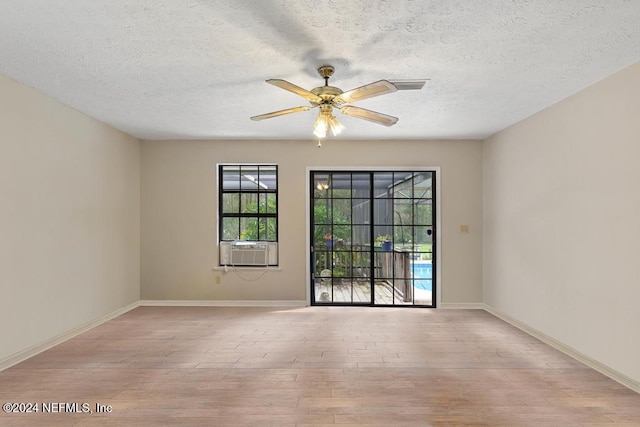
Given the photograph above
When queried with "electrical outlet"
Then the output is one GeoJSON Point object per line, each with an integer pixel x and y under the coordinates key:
{"type": "Point", "coordinates": [218, 279]}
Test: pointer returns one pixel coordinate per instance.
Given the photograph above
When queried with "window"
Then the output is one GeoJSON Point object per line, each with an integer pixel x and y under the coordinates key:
{"type": "Point", "coordinates": [248, 207]}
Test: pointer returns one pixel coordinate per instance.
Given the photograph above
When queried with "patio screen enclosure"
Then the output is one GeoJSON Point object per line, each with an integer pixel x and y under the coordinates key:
{"type": "Point", "coordinates": [373, 237]}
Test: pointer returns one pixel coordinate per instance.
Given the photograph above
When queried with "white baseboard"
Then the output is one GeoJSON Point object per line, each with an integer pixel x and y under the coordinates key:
{"type": "Point", "coordinates": [16, 358]}
{"type": "Point", "coordinates": [594, 364]}
{"type": "Point", "coordinates": [462, 305]}
{"type": "Point", "coordinates": [222, 303]}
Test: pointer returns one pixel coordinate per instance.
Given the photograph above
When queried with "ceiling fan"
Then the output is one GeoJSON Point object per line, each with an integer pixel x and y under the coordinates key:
{"type": "Point", "coordinates": [326, 98]}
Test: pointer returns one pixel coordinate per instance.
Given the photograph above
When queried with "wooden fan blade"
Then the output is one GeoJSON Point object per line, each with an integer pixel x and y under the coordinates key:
{"type": "Point", "coordinates": [281, 113]}
{"type": "Point", "coordinates": [367, 91]}
{"type": "Point", "coordinates": [283, 84]}
{"type": "Point", "coordinates": [372, 116]}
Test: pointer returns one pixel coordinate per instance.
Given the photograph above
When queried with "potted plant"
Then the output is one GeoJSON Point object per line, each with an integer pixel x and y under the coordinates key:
{"type": "Point", "coordinates": [329, 240]}
{"type": "Point", "coordinates": [385, 242]}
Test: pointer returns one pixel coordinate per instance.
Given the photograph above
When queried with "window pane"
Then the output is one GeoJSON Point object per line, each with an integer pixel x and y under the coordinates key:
{"type": "Point", "coordinates": [272, 230]}
{"type": "Point", "coordinates": [382, 234]}
{"type": "Point", "coordinates": [321, 186]}
{"type": "Point", "coordinates": [342, 233]}
{"type": "Point", "coordinates": [267, 229]}
{"type": "Point", "coordinates": [360, 266]}
{"type": "Point", "coordinates": [272, 203]}
{"type": "Point", "coordinates": [382, 184]}
{"type": "Point", "coordinates": [424, 215]}
{"type": "Point", "coordinates": [341, 185]}
{"type": "Point", "coordinates": [360, 183]}
{"type": "Point", "coordinates": [402, 185]}
{"type": "Point", "coordinates": [402, 236]}
{"type": "Point", "coordinates": [383, 211]}
{"type": "Point", "coordinates": [342, 264]}
{"type": "Point", "coordinates": [262, 229]}
{"type": "Point", "coordinates": [402, 266]}
{"type": "Point", "coordinates": [262, 203]}
{"type": "Point", "coordinates": [230, 177]}
{"type": "Point", "coordinates": [249, 202]}
{"type": "Point", "coordinates": [322, 263]}
{"type": "Point", "coordinates": [361, 235]}
{"type": "Point", "coordinates": [230, 228]}
{"type": "Point", "coordinates": [249, 228]}
{"type": "Point", "coordinates": [321, 211]}
{"type": "Point", "coordinates": [267, 178]}
{"type": "Point", "coordinates": [361, 211]}
{"type": "Point", "coordinates": [341, 211]}
{"type": "Point", "coordinates": [422, 236]}
{"type": "Point", "coordinates": [230, 203]}
{"type": "Point", "coordinates": [321, 235]}
{"type": "Point", "coordinates": [422, 185]}
{"type": "Point", "coordinates": [249, 178]}
{"type": "Point", "coordinates": [402, 211]}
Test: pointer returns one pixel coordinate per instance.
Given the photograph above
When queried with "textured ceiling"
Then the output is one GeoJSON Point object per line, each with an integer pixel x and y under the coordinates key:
{"type": "Point", "coordinates": [195, 69]}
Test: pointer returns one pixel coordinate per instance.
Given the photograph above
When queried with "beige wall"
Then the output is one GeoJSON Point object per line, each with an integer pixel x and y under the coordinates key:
{"type": "Point", "coordinates": [562, 222]}
{"type": "Point", "coordinates": [69, 219]}
{"type": "Point", "coordinates": [179, 213]}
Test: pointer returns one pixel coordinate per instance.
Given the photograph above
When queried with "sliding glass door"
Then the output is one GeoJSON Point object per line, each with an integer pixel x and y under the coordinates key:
{"type": "Point", "coordinates": [373, 235]}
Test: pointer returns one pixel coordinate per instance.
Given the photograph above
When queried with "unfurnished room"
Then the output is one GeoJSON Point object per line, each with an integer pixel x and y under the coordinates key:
{"type": "Point", "coordinates": [313, 213]}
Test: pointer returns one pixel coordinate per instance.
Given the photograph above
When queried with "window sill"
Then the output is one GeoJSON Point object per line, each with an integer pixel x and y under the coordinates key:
{"type": "Point", "coordinates": [246, 268]}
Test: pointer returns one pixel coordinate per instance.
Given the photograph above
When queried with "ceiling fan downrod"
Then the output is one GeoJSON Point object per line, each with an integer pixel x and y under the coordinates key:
{"type": "Point", "coordinates": [325, 72]}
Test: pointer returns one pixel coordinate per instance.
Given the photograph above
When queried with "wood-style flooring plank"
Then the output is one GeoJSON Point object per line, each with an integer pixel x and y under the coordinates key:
{"type": "Point", "coordinates": [312, 366]}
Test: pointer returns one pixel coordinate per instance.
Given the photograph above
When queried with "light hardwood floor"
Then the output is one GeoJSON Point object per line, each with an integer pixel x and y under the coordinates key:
{"type": "Point", "coordinates": [358, 366]}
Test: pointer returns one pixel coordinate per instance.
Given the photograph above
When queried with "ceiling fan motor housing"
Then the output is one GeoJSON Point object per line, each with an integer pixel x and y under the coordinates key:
{"type": "Point", "coordinates": [327, 93]}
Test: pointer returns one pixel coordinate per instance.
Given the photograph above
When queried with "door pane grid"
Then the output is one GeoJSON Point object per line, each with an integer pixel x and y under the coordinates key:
{"type": "Point", "coordinates": [373, 238]}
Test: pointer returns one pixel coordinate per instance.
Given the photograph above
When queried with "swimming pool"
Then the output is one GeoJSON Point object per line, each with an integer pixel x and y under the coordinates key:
{"type": "Point", "coordinates": [422, 275]}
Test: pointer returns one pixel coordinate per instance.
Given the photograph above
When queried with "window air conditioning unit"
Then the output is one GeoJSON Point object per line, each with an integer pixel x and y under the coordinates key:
{"type": "Point", "coordinates": [247, 253]}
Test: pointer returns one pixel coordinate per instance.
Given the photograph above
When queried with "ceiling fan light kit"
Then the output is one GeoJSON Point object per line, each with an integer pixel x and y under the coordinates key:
{"type": "Point", "coordinates": [326, 98]}
{"type": "Point", "coordinates": [326, 121]}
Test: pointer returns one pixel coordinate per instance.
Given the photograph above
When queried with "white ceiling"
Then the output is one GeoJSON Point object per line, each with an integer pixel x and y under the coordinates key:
{"type": "Point", "coordinates": [195, 69]}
